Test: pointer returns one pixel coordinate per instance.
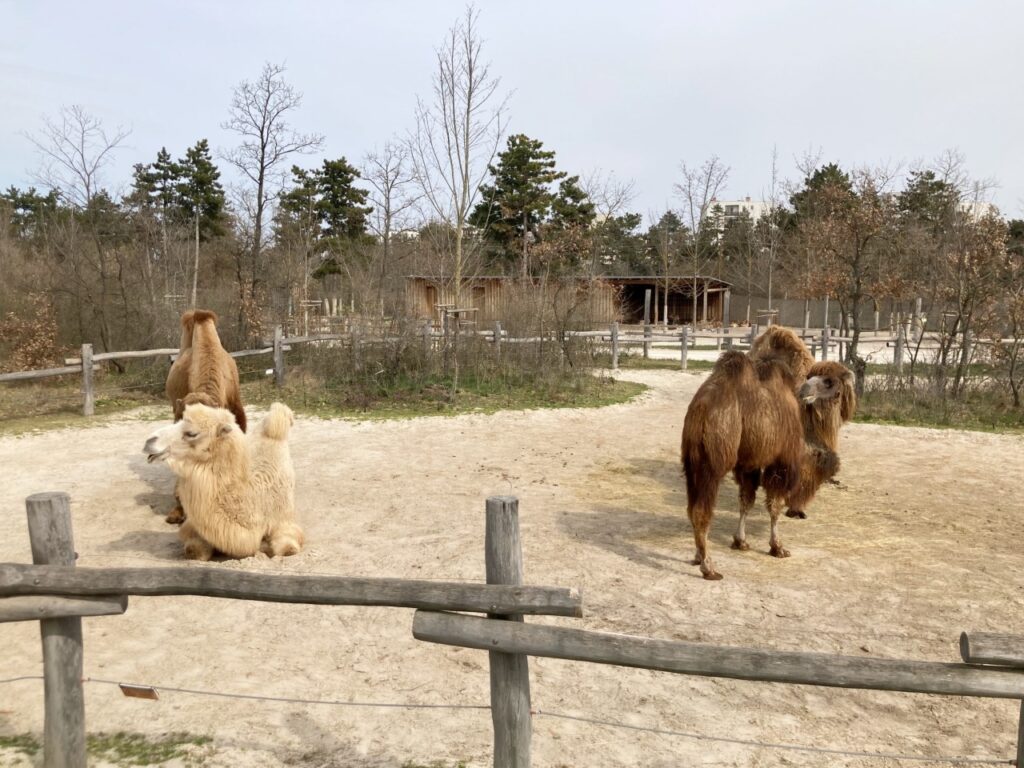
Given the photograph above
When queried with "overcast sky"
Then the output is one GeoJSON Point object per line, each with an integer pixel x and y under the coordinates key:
{"type": "Point", "coordinates": [632, 87]}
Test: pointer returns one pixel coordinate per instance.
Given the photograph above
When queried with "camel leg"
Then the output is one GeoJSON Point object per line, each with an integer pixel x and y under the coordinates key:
{"type": "Point", "coordinates": [748, 482]}
{"type": "Point", "coordinates": [177, 515]}
{"type": "Point", "coordinates": [776, 549]}
{"type": "Point", "coordinates": [285, 540]}
{"type": "Point", "coordinates": [196, 547]}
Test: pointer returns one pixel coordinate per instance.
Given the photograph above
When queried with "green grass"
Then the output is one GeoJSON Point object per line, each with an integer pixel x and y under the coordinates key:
{"type": "Point", "coordinates": [138, 749]}
{"type": "Point", "coordinates": [978, 411]}
{"type": "Point", "coordinates": [127, 749]}
{"type": "Point", "coordinates": [433, 397]}
{"type": "Point", "coordinates": [56, 403]}
{"type": "Point", "coordinates": [638, 362]}
{"type": "Point", "coordinates": [23, 743]}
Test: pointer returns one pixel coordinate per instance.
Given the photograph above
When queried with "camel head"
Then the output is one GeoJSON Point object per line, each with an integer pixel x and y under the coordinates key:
{"type": "Point", "coordinates": [832, 383]}
{"type": "Point", "coordinates": [193, 437]}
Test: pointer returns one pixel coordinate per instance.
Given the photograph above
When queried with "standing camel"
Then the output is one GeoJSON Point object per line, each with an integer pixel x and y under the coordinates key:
{"type": "Point", "coordinates": [203, 373]}
{"type": "Point", "coordinates": [745, 417]}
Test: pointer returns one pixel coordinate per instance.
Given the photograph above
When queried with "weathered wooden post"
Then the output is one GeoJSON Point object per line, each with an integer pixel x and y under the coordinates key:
{"type": "Point", "coordinates": [753, 334]}
{"type": "Point", "coordinates": [278, 356]}
{"type": "Point", "coordinates": [510, 673]}
{"type": "Point", "coordinates": [88, 399]}
{"type": "Point", "coordinates": [615, 346]}
{"type": "Point", "coordinates": [427, 328]}
{"type": "Point", "coordinates": [876, 322]}
{"type": "Point", "coordinates": [497, 339]}
{"type": "Point", "coordinates": [682, 347]}
{"type": "Point", "coordinates": [824, 342]}
{"type": "Point", "coordinates": [49, 530]}
{"type": "Point", "coordinates": [647, 323]}
{"type": "Point", "coordinates": [897, 355]}
{"type": "Point", "coordinates": [726, 299]}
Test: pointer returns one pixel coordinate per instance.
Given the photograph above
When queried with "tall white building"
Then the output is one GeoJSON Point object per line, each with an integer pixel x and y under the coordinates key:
{"type": "Point", "coordinates": [733, 209]}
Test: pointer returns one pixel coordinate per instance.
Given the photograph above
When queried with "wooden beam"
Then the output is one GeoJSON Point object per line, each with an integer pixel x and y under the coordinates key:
{"type": "Point", "coordinates": [719, 661]}
{"type": "Point", "coordinates": [1000, 650]}
{"type": "Point", "coordinates": [210, 581]}
{"type": "Point", "coordinates": [34, 608]}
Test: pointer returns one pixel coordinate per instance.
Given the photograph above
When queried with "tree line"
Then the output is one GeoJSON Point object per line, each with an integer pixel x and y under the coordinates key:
{"type": "Point", "coordinates": [458, 197]}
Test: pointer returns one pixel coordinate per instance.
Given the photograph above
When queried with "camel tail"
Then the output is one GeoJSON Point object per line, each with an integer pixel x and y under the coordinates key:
{"type": "Point", "coordinates": [278, 422]}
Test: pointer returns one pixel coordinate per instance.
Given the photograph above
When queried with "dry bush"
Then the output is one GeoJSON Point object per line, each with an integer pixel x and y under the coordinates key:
{"type": "Point", "coordinates": [28, 338]}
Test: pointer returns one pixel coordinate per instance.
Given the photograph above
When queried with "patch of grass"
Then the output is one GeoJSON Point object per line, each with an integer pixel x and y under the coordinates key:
{"type": "Point", "coordinates": [432, 397]}
{"type": "Point", "coordinates": [638, 362]}
{"type": "Point", "coordinates": [984, 410]}
{"type": "Point", "coordinates": [138, 749]}
{"type": "Point", "coordinates": [24, 743]}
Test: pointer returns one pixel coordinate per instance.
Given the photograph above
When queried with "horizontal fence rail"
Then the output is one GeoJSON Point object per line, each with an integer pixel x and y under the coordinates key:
{"type": "Point", "coordinates": [17, 579]}
{"type": "Point", "coordinates": [719, 661]}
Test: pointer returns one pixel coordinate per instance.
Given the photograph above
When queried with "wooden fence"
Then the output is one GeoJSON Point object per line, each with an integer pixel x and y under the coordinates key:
{"type": "Point", "coordinates": [57, 594]}
{"type": "Point", "coordinates": [614, 337]}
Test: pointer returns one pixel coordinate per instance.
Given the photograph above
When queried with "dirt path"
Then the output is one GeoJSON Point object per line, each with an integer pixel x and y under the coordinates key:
{"type": "Point", "coordinates": [921, 541]}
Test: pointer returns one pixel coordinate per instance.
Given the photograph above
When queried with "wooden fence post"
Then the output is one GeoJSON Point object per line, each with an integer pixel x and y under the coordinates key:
{"type": "Point", "coordinates": [1020, 736]}
{"type": "Point", "coordinates": [278, 356]}
{"type": "Point", "coordinates": [682, 347]}
{"type": "Point", "coordinates": [510, 673]}
{"type": "Point", "coordinates": [647, 323]}
{"type": "Point", "coordinates": [497, 338]}
{"type": "Point", "coordinates": [897, 355]}
{"type": "Point", "coordinates": [824, 342]}
{"type": "Point", "coordinates": [88, 401]}
{"type": "Point", "coordinates": [615, 346]}
{"type": "Point", "coordinates": [49, 530]}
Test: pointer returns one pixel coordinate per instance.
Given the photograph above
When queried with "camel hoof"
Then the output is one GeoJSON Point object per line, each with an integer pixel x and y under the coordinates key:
{"type": "Point", "coordinates": [712, 576]}
{"type": "Point", "coordinates": [796, 513]}
{"type": "Point", "coordinates": [779, 552]}
{"type": "Point", "coordinates": [696, 561]}
{"type": "Point", "coordinates": [738, 544]}
{"type": "Point", "coordinates": [176, 516]}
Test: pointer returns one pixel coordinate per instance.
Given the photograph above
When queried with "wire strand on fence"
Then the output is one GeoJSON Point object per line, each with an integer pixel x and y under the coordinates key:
{"type": "Point", "coordinates": [778, 745]}
{"type": "Point", "coordinates": [952, 760]}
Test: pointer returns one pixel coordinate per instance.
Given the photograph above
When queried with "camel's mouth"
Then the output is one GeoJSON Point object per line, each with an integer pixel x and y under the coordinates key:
{"type": "Point", "coordinates": [152, 452]}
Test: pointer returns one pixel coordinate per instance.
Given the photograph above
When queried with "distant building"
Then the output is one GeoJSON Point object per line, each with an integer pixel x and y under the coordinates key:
{"type": "Point", "coordinates": [734, 209]}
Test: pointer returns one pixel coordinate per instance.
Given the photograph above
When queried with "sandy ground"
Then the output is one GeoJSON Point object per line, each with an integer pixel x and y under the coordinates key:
{"type": "Point", "coordinates": [920, 541]}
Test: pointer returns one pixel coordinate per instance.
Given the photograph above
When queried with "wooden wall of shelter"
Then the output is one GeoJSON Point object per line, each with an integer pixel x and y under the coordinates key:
{"type": "Point", "coordinates": [499, 297]}
{"type": "Point", "coordinates": [604, 299]}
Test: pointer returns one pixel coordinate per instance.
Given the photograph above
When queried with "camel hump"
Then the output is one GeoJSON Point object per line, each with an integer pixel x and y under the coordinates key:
{"type": "Point", "coordinates": [203, 315]}
{"type": "Point", "coordinates": [732, 363]}
{"type": "Point", "coordinates": [278, 422]}
{"type": "Point", "coordinates": [188, 319]}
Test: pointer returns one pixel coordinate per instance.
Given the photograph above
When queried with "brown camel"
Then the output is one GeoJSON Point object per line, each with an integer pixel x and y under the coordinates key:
{"type": "Point", "coordinates": [746, 418]}
{"type": "Point", "coordinates": [835, 404]}
{"type": "Point", "coordinates": [204, 373]}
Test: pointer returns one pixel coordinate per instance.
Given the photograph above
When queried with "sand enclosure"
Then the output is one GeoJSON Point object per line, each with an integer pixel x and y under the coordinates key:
{"type": "Point", "coordinates": [919, 542]}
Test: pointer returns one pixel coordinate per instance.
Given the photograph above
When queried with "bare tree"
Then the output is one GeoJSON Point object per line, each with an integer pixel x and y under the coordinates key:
{"type": "Point", "coordinates": [390, 176]}
{"type": "Point", "coordinates": [457, 134]}
{"type": "Point", "coordinates": [609, 194]}
{"type": "Point", "coordinates": [259, 115]}
{"type": "Point", "coordinates": [74, 147]}
{"type": "Point", "coordinates": [698, 190]}
{"type": "Point", "coordinates": [771, 234]}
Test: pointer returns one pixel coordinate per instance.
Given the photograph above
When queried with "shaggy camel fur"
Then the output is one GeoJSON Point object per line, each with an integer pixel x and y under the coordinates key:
{"type": "Point", "coordinates": [835, 404]}
{"type": "Point", "coordinates": [203, 373]}
{"type": "Point", "coordinates": [746, 418]}
{"type": "Point", "coordinates": [239, 489]}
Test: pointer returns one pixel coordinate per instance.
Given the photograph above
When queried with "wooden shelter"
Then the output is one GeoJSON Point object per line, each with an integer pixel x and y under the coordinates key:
{"type": "Point", "coordinates": [611, 298]}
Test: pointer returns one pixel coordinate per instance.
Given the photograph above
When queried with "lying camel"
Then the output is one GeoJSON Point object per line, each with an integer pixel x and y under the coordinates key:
{"type": "Point", "coordinates": [239, 489]}
{"type": "Point", "coordinates": [835, 404]}
{"type": "Point", "coordinates": [203, 373]}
